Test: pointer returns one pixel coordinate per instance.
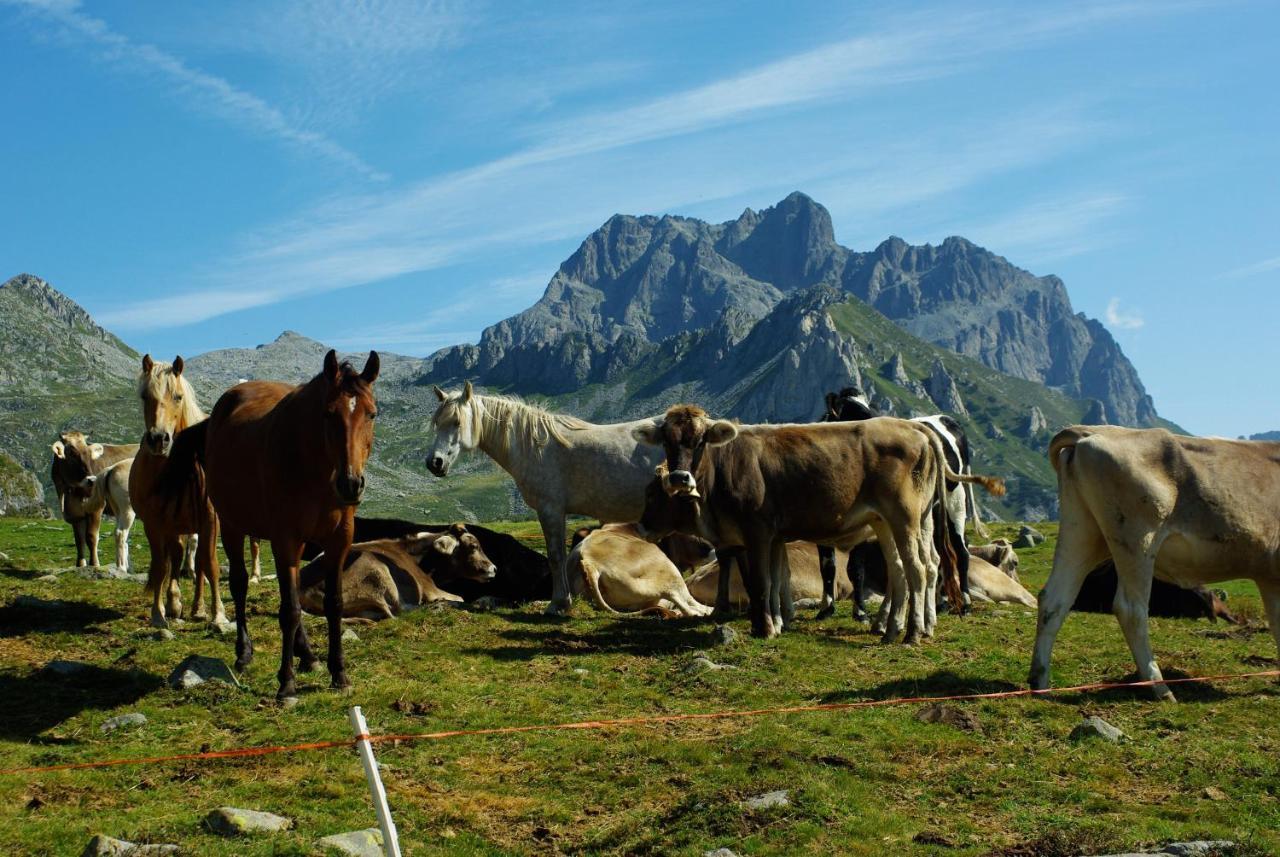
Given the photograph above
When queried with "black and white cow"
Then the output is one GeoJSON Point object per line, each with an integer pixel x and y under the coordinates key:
{"type": "Point", "coordinates": [852, 404]}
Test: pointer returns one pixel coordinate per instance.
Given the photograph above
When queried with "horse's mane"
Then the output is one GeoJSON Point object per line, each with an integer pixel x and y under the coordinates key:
{"type": "Point", "coordinates": [535, 425]}
{"type": "Point", "coordinates": [160, 381]}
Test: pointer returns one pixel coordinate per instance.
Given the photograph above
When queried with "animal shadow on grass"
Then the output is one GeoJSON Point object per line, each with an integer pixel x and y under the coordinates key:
{"type": "Point", "coordinates": [1192, 691]}
{"type": "Point", "coordinates": [34, 702]}
{"type": "Point", "coordinates": [941, 683]}
{"type": "Point", "coordinates": [30, 615]}
{"type": "Point", "coordinates": [652, 638]}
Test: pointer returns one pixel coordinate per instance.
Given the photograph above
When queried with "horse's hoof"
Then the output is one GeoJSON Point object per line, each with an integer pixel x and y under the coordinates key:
{"type": "Point", "coordinates": [159, 621]}
{"type": "Point", "coordinates": [306, 666]}
{"type": "Point", "coordinates": [340, 682]}
{"type": "Point", "coordinates": [888, 637]}
{"type": "Point", "coordinates": [242, 664]}
{"type": "Point", "coordinates": [288, 701]}
{"type": "Point", "coordinates": [911, 639]}
{"type": "Point", "coordinates": [199, 615]}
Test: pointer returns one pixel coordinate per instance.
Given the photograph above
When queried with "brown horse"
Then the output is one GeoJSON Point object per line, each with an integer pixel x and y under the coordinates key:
{"type": "Point", "coordinates": [166, 488]}
{"type": "Point", "coordinates": [287, 464]}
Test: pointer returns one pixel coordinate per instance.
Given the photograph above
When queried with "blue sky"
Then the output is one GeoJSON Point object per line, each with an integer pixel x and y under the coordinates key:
{"type": "Point", "coordinates": [401, 175]}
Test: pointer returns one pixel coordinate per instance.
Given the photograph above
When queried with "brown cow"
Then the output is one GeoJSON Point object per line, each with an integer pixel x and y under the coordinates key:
{"type": "Point", "coordinates": [758, 487]}
{"type": "Point", "coordinates": [806, 578]}
{"type": "Point", "coordinates": [382, 578]}
{"type": "Point", "coordinates": [75, 459]}
{"type": "Point", "coordinates": [1000, 554]}
{"type": "Point", "coordinates": [1188, 510]}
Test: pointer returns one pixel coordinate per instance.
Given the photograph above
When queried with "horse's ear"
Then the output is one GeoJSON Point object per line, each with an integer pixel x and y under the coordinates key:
{"type": "Point", "coordinates": [331, 368]}
{"type": "Point", "coordinates": [466, 392]}
{"type": "Point", "coordinates": [177, 366]}
{"type": "Point", "coordinates": [649, 433]}
{"type": "Point", "coordinates": [147, 363]}
{"type": "Point", "coordinates": [59, 449]}
{"type": "Point", "coordinates": [371, 366]}
{"type": "Point", "coordinates": [440, 394]}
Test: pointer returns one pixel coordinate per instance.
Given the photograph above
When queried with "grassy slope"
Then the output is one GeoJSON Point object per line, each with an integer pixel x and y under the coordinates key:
{"type": "Point", "coordinates": [862, 782]}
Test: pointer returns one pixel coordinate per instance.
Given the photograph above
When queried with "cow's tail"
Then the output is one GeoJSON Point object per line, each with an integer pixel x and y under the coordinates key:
{"type": "Point", "coordinates": [949, 567]}
{"type": "Point", "coordinates": [994, 485]}
{"type": "Point", "coordinates": [1063, 446]}
{"type": "Point", "coordinates": [591, 577]}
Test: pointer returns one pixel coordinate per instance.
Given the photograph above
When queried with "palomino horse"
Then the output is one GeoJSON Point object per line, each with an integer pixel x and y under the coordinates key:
{"type": "Point", "coordinates": [287, 464]}
{"type": "Point", "coordinates": [561, 464]}
{"type": "Point", "coordinates": [166, 487]}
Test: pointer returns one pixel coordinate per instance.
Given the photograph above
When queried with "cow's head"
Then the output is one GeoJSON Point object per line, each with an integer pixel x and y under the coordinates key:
{"type": "Point", "coordinates": [666, 512]}
{"type": "Point", "coordinates": [457, 425]}
{"type": "Point", "coordinates": [73, 458]}
{"type": "Point", "coordinates": [684, 432]}
{"type": "Point", "coordinates": [349, 413]}
{"type": "Point", "coordinates": [461, 550]}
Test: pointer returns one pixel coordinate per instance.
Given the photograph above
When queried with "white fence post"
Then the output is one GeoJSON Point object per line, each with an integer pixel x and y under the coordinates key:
{"type": "Point", "coordinates": [390, 843]}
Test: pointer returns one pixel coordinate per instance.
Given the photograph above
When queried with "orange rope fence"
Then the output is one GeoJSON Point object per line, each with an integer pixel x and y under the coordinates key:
{"type": "Point", "coordinates": [641, 720]}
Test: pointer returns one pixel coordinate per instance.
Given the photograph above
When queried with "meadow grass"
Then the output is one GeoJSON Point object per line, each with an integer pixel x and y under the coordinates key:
{"type": "Point", "coordinates": [874, 781]}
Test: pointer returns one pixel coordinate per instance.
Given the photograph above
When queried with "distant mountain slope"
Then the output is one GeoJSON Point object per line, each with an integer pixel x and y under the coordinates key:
{"type": "Point", "coordinates": [638, 280]}
{"type": "Point", "coordinates": [1266, 435]}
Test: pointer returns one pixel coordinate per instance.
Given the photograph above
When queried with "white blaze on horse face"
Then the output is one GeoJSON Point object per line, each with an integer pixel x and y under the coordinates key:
{"type": "Point", "coordinates": [351, 405]}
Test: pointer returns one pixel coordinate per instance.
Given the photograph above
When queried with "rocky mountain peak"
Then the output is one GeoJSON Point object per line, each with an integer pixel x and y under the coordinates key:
{"type": "Point", "coordinates": [51, 302]}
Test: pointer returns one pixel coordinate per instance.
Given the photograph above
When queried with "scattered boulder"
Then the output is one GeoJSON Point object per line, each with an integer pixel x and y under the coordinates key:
{"type": "Point", "coordinates": [944, 392]}
{"type": "Point", "coordinates": [723, 635]}
{"type": "Point", "coordinates": [133, 718]}
{"type": "Point", "coordinates": [768, 800]}
{"type": "Point", "coordinates": [1200, 848]}
{"type": "Point", "coordinates": [105, 846]}
{"type": "Point", "coordinates": [895, 370]}
{"type": "Point", "coordinates": [48, 578]}
{"type": "Point", "coordinates": [1096, 727]}
{"type": "Point", "coordinates": [109, 572]}
{"type": "Point", "coordinates": [702, 663]}
{"type": "Point", "coordinates": [357, 843]}
{"type": "Point", "coordinates": [1028, 537]}
{"type": "Point", "coordinates": [950, 715]}
{"type": "Point", "coordinates": [994, 432]}
{"type": "Point", "coordinates": [1096, 415]}
{"type": "Point", "coordinates": [1214, 793]}
{"type": "Point", "coordinates": [20, 491]}
{"type": "Point", "coordinates": [197, 669]}
{"type": "Point", "coordinates": [1034, 423]}
{"type": "Point", "coordinates": [720, 852]}
{"type": "Point", "coordinates": [229, 821]}
{"type": "Point", "coordinates": [350, 636]}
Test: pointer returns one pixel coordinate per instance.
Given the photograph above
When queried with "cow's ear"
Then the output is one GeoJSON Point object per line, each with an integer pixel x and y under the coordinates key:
{"type": "Point", "coordinates": [147, 363]}
{"type": "Point", "coordinates": [59, 449]}
{"type": "Point", "coordinates": [95, 451]}
{"type": "Point", "coordinates": [458, 530]}
{"type": "Point", "coordinates": [648, 432]}
{"type": "Point", "coordinates": [177, 366]}
{"type": "Point", "coordinates": [720, 432]}
{"type": "Point", "coordinates": [466, 392]}
{"type": "Point", "coordinates": [440, 394]}
{"type": "Point", "coordinates": [445, 545]}
{"type": "Point", "coordinates": [371, 366]}
{"type": "Point", "coordinates": [331, 368]}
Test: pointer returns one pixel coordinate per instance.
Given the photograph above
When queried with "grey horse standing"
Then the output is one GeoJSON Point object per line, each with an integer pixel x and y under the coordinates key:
{"type": "Point", "coordinates": [561, 464]}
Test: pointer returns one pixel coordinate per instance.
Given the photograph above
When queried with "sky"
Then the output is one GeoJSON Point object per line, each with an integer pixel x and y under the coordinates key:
{"type": "Point", "coordinates": [400, 175]}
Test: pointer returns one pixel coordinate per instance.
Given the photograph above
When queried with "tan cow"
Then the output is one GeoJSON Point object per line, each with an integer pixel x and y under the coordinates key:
{"type": "Point", "coordinates": [110, 490]}
{"type": "Point", "coordinates": [1000, 554]}
{"type": "Point", "coordinates": [75, 459]}
{"type": "Point", "coordinates": [383, 578]}
{"type": "Point", "coordinates": [806, 578]}
{"type": "Point", "coordinates": [988, 583]}
{"type": "Point", "coordinates": [1184, 509]}
{"type": "Point", "coordinates": [628, 576]}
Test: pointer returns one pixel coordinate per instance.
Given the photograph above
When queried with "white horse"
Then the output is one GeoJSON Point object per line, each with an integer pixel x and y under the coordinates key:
{"type": "Point", "coordinates": [561, 464]}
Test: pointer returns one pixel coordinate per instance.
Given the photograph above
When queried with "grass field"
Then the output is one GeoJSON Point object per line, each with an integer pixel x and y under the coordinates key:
{"type": "Point", "coordinates": [860, 782]}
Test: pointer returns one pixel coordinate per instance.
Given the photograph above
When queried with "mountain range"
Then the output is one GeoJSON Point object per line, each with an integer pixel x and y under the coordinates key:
{"type": "Point", "coordinates": [754, 318]}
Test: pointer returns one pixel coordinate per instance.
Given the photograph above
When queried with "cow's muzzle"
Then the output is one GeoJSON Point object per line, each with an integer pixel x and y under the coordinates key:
{"type": "Point", "coordinates": [681, 482]}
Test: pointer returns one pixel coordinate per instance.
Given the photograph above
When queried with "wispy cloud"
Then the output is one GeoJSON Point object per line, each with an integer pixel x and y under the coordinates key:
{"type": "Point", "coordinates": [554, 188]}
{"type": "Point", "coordinates": [1263, 267]}
{"type": "Point", "coordinates": [1123, 319]}
{"type": "Point", "coordinates": [1050, 229]}
{"type": "Point", "coordinates": [210, 92]}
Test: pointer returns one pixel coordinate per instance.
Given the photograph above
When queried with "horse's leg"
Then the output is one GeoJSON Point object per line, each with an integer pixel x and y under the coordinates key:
{"type": "Point", "coordinates": [287, 555]}
{"type": "Point", "coordinates": [827, 567]}
{"type": "Point", "coordinates": [233, 544]}
{"type": "Point", "coordinates": [157, 575]}
{"type": "Point", "coordinates": [335, 558]}
{"type": "Point", "coordinates": [255, 551]}
{"type": "Point", "coordinates": [553, 532]}
{"type": "Point", "coordinates": [94, 524]}
{"type": "Point", "coordinates": [208, 557]}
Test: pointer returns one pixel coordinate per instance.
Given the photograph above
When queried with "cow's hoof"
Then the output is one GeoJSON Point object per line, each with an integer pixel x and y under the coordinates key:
{"type": "Point", "coordinates": [1038, 681]}
{"type": "Point", "coordinates": [242, 664]}
{"type": "Point", "coordinates": [888, 637]}
{"type": "Point", "coordinates": [1163, 694]}
{"type": "Point", "coordinates": [340, 682]}
{"type": "Point", "coordinates": [825, 612]}
{"type": "Point", "coordinates": [559, 607]}
{"type": "Point", "coordinates": [200, 615]}
{"type": "Point", "coordinates": [860, 615]}
{"type": "Point", "coordinates": [911, 639]}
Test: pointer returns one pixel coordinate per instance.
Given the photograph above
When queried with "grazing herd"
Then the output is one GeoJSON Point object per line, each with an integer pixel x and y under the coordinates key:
{"type": "Point", "coordinates": [811, 512]}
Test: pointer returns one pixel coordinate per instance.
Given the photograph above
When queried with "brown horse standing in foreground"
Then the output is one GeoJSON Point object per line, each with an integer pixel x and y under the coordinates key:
{"type": "Point", "coordinates": [166, 487]}
{"type": "Point", "coordinates": [287, 463]}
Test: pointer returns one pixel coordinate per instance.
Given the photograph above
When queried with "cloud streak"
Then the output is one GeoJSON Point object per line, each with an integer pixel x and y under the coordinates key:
{"type": "Point", "coordinates": [1123, 320]}
{"type": "Point", "coordinates": [1263, 267]}
{"type": "Point", "coordinates": [213, 93]}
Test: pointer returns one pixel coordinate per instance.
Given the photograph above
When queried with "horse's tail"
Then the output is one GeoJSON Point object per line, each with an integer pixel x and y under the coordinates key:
{"type": "Point", "coordinates": [183, 476]}
{"type": "Point", "coordinates": [1063, 445]}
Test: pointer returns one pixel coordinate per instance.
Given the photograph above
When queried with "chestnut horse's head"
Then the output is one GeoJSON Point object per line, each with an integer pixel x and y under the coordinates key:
{"type": "Point", "coordinates": [168, 403]}
{"type": "Point", "coordinates": [349, 412]}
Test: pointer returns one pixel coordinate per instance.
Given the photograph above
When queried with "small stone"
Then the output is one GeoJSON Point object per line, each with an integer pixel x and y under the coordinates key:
{"type": "Point", "coordinates": [48, 578]}
{"type": "Point", "coordinates": [1214, 793]}
{"type": "Point", "coordinates": [768, 800]}
{"type": "Point", "coordinates": [720, 852]}
{"type": "Point", "coordinates": [289, 702]}
{"type": "Point", "coordinates": [186, 681]}
{"type": "Point", "coordinates": [484, 604]}
{"type": "Point", "coordinates": [350, 636]}
{"type": "Point", "coordinates": [65, 668]}
{"type": "Point", "coordinates": [229, 821]}
{"type": "Point", "coordinates": [162, 634]}
{"type": "Point", "coordinates": [1096, 727]}
{"type": "Point", "coordinates": [357, 843]}
{"type": "Point", "coordinates": [133, 718]}
{"type": "Point", "coordinates": [106, 846]}
{"type": "Point", "coordinates": [1028, 537]}
{"type": "Point", "coordinates": [4, 557]}
{"type": "Point", "coordinates": [224, 629]}
{"type": "Point", "coordinates": [950, 715]}
{"type": "Point", "coordinates": [1200, 848]}
{"type": "Point", "coordinates": [205, 669]}
{"type": "Point", "coordinates": [581, 671]}
{"type": "Point", "coordinates": [723, 635]}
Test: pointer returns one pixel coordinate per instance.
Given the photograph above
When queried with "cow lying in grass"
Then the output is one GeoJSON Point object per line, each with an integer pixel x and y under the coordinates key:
{"type": "Point", "coordinates": [807, 580]}
{"type": "Point", "coordinates": [626, 575]}
{"type": "Point", "coordinates": [384, 577]}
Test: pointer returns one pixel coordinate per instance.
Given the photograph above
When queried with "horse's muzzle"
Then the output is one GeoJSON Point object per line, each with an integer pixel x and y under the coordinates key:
{"type": "Point", "coordinates": [349, 489]}
{"type": "Point", "coordinates": [438, 466]}
{"type": "Point", "coordinates": [159, 442]}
